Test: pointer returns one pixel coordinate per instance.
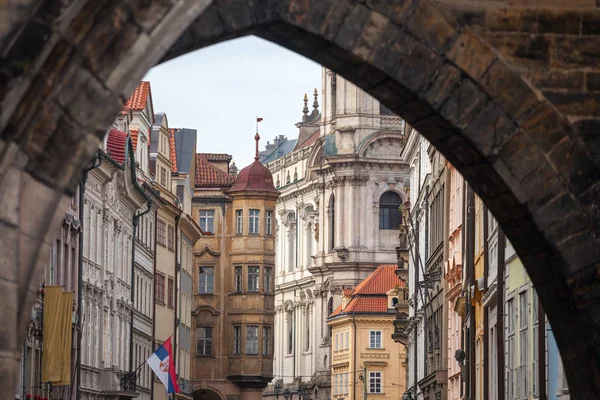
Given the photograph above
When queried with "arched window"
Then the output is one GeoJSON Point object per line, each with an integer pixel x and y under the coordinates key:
{"type": "Point", "coordinates": [389, 211]}
{"type": "Point", "coordinates": [394, 301]}
{"type": "Point", "coordinates": [331, 222]}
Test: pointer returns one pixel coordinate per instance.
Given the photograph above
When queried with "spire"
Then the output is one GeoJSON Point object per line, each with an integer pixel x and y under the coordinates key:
{"type": "Point", "coordinates": [305, 109]}
{"type": "Point", "coordinates": [257, 138]}
{"type": "Point", "coordinates": [316, 103]}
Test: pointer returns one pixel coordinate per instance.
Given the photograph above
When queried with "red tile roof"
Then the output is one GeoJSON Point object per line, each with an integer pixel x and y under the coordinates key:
{"type": "Point", "coordinates": [115, 145]}
{"type": "Point", "coordinates": [370, 296]}
{"type": "Point", "coordinates": [172, 147]}
{"type": "Point", "coordinates": [216, 157]}
{"type": "Point", "coordinates": [313, 138]}
{"type": "Point", "coordinates": [207, 175]}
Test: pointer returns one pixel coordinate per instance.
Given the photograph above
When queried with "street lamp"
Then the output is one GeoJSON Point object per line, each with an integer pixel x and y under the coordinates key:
{"type": "Point", "coordinates": [277, 389]}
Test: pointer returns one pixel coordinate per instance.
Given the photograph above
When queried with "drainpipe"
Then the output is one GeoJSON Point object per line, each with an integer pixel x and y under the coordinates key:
{"type": "Point", "coordinates": [354, 361]}
{"type": "Point", "coordinates": [541, 352]}
{"type": "Point", "coordinates": [500, 315]}
{"type": "Point", "coordinates": [96, 164]}
{"type": "Point", "coordinates": [416, 330]}
{"type": "Point", "coordinates": [134, 223]}
{"type": "Point", "coordinates": [24, 373]}
{"type": "Point", "coordinates": [177, 272]}
{"type": "Point", "coordinates": [463, 255]}
{"type": "Point", "coordinates": [486, 339]}
{"type": "Point", "coordinates": [471, 275]}
{"type": "Point", "coordinates": [153, 298]}
{"type": "Point", "coordinates": [425, 302]}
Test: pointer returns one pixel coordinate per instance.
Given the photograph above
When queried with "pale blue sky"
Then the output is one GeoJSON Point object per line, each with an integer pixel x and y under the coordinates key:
{"type": "Point", "coordinates": [220, 90]}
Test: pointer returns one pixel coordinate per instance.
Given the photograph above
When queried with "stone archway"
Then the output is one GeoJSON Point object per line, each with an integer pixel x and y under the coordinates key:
{"type": "Point", "coordinates": [206, 394]}
{"type": "Point", "coordinates": [68, 67]}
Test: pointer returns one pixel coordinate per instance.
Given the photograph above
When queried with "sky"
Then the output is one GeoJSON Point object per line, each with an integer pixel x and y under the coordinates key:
{"type": "Point", "coordinates": [220, 90]}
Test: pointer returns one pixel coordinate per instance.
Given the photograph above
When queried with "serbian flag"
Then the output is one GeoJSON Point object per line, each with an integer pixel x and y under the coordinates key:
{"type": "Point", "coordinates": [161, 362]}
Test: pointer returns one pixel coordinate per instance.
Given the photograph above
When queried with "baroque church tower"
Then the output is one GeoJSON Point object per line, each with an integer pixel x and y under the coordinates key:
{"type": "Point", "coordinates": [345, 167]}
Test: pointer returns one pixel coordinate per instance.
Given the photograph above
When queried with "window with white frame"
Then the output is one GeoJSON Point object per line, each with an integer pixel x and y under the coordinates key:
{"type": "Point", "coordinates": [252, 340]}
{"type": "Point", "coordinates": [239, 221]}
{"type": "Point", "coordinates": [254, 222]}
{"type": "Point", "coordinates": [347, 340]}
{"type": "Point", "coordinates": [375, 340]}
{"type": "Point", "coordinates": [511, 350]}
{"type": "Point", "coordinates": [206, 280]}
{"type": "Point", "coordinates": [535, 341]}
{"type": "Point", "coordinates": [375, 385]}
{"type": "Point", "coordinates": [523, 345]}
{"type": "Point", "coordinates": [345, 387]}
{"type": "Point", "coordinates": [253, 279]}
{"type": "Point", "coordinates": [269, 222]}
{"type": "Point", "coordinates": [207, 221]}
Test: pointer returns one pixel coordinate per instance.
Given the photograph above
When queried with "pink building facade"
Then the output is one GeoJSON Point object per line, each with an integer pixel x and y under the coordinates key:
{"type": "Point", "coordinates": [453, 278]}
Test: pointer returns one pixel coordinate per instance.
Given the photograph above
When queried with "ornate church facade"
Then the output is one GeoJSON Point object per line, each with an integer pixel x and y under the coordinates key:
{"type": "Point", "coordinates": [344, 168]}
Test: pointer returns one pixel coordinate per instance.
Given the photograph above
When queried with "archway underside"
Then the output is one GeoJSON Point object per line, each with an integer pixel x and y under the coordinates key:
{"type": "Point", "coordinates": [69, 68]}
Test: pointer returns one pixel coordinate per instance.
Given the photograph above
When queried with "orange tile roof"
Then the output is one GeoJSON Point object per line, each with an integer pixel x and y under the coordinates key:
{"type": "Point", "coordinates": [207, 175]}
{"type": "Point", "coordinates": [381, 281]}
{"type": "Point", "coordinates": [172, 147]}
{"type": "Point", "coordinates": [370, 296]}
{"type": "Point", "coordinates": [313, 138]}
{"type": "Point", "coordinates": [134, 138]}
{"type": "Point", "coordinates": [347, 292]}
{"type": "Point", "coordinates": [115, 145]}
{"type": "Point", "coordinates": [139, 98]}
{"type": "Point", "coordinates": [216, 157]}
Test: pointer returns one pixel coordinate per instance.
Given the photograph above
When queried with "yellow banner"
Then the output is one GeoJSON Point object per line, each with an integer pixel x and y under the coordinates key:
{"type": "Point", "coordinates": [57, 336]}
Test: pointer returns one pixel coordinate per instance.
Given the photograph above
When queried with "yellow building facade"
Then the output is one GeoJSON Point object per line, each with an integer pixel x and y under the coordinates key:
{"type": "Point", "coordinates": [364, 355]}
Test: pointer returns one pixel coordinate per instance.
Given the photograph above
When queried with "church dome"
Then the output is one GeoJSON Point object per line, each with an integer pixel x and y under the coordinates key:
{"type": "Point", "coordinates": [255, 177]}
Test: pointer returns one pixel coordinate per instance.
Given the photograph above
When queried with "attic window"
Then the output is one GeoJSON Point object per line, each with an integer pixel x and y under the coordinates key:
{"type": "Point", "coordinates": [394, 301]}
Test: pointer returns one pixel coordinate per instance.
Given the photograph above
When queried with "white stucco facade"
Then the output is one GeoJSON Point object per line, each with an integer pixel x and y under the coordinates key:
{"type": "Point", "coordinates": [328, 234]}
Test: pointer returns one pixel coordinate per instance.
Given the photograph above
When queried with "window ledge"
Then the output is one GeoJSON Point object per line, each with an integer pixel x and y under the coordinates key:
{"type": "Point", "coordinates": [375, 348]}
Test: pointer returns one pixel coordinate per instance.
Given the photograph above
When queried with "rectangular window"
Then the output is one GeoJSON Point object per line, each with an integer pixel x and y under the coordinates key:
{"type": "Point", "coordinates": [254, 222]}
{"type": "Point", "coordinates": [252, 340]}
{"type": "Point", "coordinates": [207, 221]}
{"type": "Point", "coordinates": [345, 391]}
{"type": "Point", "coordinates": [253, 279]}
{"type": "Point", "coordinates": [238, 279]}
{"type": "Point", "coordinates": [535, 341]}
{"type": "Point", "coordinates": [266, 339]}
{"type": "Point", "coordinates": [170, 294]}
{"type": "Point", "coordinates": [375, 340]}
{"type": "Point", "coordinates": [375, 382]}
{"type": "Point", "coordinates": [206, 280]}
{"type": "Point", "coordinates": [239, 221]}
{"type": "Point", "coordinates": [511, 350]}
{"type": "Point", "coordinates": [171, 238]}
{"type": "Point", "coordinates": [267, 279]}
{"type": "Point", "coordinates": [163, 176]}
{"type": "Point", "coordinates": [159, 281]}
{"type": "Point", "coordinates": [523, 345]}
{"type": "Point", "coordinates": [204, 344]}
{"type": "Point", "coordinates": [335, 385]}
{"type": "Point", "coordinates": [347, 340]}
{"type": "Point", "coordinates": [161, 232]}
{"type": "Point", "coordinates": [237, 340]}
{"type": "Point", "coordinates": [269, 222]}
